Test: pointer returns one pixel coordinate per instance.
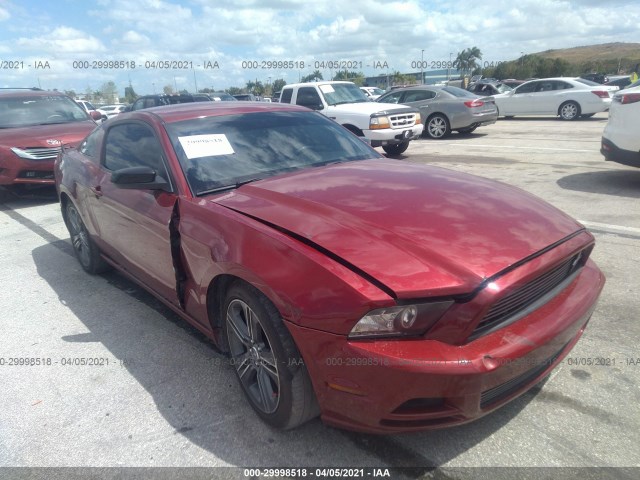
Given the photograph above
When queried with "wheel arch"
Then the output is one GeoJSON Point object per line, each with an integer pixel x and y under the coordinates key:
{"type": "Point", "coordinates": [216, 296]}
{"type": "Point", "coordinates": [353, 129]}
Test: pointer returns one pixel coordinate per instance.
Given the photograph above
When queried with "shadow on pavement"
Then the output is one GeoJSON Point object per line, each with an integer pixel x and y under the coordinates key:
{"type": "Point", "coordinates": [620, 183]}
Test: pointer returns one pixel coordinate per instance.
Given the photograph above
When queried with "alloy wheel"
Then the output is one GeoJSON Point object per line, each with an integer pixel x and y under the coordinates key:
{"type": "Point", "coordinates": [252, 355]}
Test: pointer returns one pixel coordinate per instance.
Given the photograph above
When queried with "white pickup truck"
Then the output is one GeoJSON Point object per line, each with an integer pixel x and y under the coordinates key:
{"type": "Point", "coordinates": [385, 125]}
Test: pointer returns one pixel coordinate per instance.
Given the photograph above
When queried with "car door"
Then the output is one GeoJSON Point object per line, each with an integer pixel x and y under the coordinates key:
{"type": "Point", "coordinates": [544, 97]}
{"type": "Point", "coordinates": [421, 99]}
{"type": "Point", "coordinates": [519, 102]}
{"type": "Point", "coordinates": [134, 223]}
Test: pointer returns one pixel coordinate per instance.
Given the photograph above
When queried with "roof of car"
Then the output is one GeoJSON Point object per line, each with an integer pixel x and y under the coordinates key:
{"type": "Point", "coordinates": [30, 92]}
{"type": "Point", "coordinates": [321, 82]}
{"type": "Point", "coordinates": [187, 111]}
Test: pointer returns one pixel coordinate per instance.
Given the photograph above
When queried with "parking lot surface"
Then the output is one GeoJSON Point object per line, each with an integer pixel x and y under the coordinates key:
{"type": "Point", "coordinates": [123, 382]}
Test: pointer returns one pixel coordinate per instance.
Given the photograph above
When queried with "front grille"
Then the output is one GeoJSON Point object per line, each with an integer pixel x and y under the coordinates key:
{"type": "Point", "coordinates": [510, 387]}
{"type": "Point", "coordinates": [37, 153]}
{"type": "Point", "coordinates": [402, 120]}
{"type": "Point", "coordinates": [39, 174]}
{"type": "Point", "coordinates": [514, 305]}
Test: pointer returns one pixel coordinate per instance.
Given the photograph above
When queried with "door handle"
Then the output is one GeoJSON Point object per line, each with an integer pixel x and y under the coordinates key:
{"type": "Point", "coordinates": [97, 191]}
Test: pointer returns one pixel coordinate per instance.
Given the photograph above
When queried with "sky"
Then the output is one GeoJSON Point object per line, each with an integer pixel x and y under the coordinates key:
{"type": "Point", "coordinates": [68, 44]}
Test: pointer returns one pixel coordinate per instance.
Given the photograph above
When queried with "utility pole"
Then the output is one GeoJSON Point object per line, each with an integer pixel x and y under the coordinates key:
{"type": "Point", "coordinates": [422, 68]}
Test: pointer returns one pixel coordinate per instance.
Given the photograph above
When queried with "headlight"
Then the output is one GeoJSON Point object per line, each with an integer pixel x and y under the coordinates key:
{"type": "Point", "coordinates": [377, 123]}
{"type": "Point", "coordinates": [400, 321]}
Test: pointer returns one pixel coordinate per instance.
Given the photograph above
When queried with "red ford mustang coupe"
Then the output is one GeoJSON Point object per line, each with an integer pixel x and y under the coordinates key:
{"type": "Point", "coordinates": [383, 295]}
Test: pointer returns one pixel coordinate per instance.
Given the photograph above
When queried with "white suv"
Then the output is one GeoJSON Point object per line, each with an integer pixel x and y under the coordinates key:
{"type": "Point", "coordinates": [620, 139]}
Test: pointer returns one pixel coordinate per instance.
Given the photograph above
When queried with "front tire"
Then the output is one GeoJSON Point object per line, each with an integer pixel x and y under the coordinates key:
{"type": "Point", "coordinates": [268, 365]}
{"type": "Point", "coordinates": [396, 148]}
{"type": "Point", "coordinates": [437, 126]}
{"type": "Point", "coordinates": [569, 111]}
{"type": "Point", "coordinates": [85, 249]}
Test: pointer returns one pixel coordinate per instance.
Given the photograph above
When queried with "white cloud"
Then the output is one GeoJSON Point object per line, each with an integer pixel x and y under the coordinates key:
{"type": "Point", "coordinates": [4, 14]}
{"type": "Point", "coordinates": [63, 40]}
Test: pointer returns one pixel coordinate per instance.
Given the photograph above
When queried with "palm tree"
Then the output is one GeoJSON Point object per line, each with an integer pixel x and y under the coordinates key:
{"type": "Point", "coordinates": [317, 75]}
{"type": "Point", "coordinates": [467, 60]}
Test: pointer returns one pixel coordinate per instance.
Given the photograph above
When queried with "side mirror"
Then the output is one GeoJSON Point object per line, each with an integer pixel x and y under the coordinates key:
{"type": "Point", "coordinates": [141, 178]}
{"type": "Point", "coordinates": [95, 115]}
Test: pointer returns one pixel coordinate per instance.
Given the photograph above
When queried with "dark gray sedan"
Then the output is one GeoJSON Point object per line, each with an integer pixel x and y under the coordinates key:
{"type": "Point", "coordinates": [444, 109]}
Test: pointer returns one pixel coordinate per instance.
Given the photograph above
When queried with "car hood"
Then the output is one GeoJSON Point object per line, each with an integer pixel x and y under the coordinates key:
{"type": "Point", "coordinates": [46, 136]}
{"type": "Point", "coordinates": [418, 230]}
{"type": "Point", "coordinates": [373, 107]}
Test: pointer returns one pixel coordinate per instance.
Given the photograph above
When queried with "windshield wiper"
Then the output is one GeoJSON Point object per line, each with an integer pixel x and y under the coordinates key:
{"type": "Point", "coordinates": [231, 186]}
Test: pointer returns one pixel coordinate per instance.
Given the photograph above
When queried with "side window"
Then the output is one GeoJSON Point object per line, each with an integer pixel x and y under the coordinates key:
{"type": "Point", "coordinates": [562, 85]}
{"type": "Point", "coordinates": [89, 146]}
{"type": "Point", "coordinates": [418, 95]}
{"type": "Point", "coordinates": [286, 95]}
{"type": "Point", "coordinates": [308, 97]}
{"type": "Point", "coordinates": [526, 88]}
{"type": "Point", "coordinates": [133, 145]}
{"type": "Point", "coordinates": [392, 97]}
{"type": "Point", "coordinates": [138, 104]}
{"type": "Point", "coordinates": [545, 86]}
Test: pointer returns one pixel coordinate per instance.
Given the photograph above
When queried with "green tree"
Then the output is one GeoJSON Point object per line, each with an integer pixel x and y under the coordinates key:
{"type": "Point", "coordinates": [70, 93]}
{"type": "Point", "coordinates": [467, 60]}
{"type": "Point", "coordinates": [398, 78]}
{"type": "Point", "coordinates": [167, 89]}
{"type": "Point", "coordinates": [279, 83]}
{"type": "Point", "coordinates": [234, 90]}
{"type": "Point", "coordinates": [109, 91]}
{"type": "Point", "coordinates": [129, 94]}
{"type": "Point", "coordinates": [352, 76]}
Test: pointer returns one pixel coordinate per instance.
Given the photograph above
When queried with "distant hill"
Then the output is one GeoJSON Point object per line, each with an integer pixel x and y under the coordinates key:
{"type": "Point", "coordinates": [604, 55]}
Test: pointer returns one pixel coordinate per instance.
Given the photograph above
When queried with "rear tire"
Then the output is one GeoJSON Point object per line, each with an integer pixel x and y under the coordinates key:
{"type": "Point", "coordinates": [84, 247]}
{"type": "Point", "coordinates": [396, 149]}
{"type": "Point", "coordinates": [437, 126]}
{"type": "Point", "coordinates": [569, 111]}
{"type": "Point", "coordinates": [467, 131]}
{"type": "Point", "coordinates": [266, 360]}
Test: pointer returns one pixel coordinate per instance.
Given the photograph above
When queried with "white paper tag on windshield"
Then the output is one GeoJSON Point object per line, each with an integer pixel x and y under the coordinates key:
{"type": "Point", "coordinates": [326, 89]}
{"type": "Point", "coordinates": [197, 146]}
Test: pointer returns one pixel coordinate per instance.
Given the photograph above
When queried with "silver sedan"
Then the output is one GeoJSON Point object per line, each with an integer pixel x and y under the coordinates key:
{"type": "Point", "coordinates": [445, 109]}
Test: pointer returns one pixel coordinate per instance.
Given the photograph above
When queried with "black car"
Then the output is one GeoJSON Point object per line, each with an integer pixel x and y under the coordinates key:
{"type": "Point", "coordinates": [621, 81]}
{"type": "Point", "coordinates": [596, 77]}
{"type": "Point", "coordinates": [487, 89]}
{"type": "Point", "coordinates": [246, 97]}
{"type": "Point", "coordinates": [148, 101]}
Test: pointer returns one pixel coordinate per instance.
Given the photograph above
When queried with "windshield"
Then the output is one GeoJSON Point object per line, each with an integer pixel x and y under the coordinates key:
{"type": "Point", "coordinates": [39, 110]}
{"type": "Point", "coordinates": [459, 92]}
{"type": "Point", "coordinates": [225, 151]}
{"type": "Point", "coordinates": [341, 93]}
